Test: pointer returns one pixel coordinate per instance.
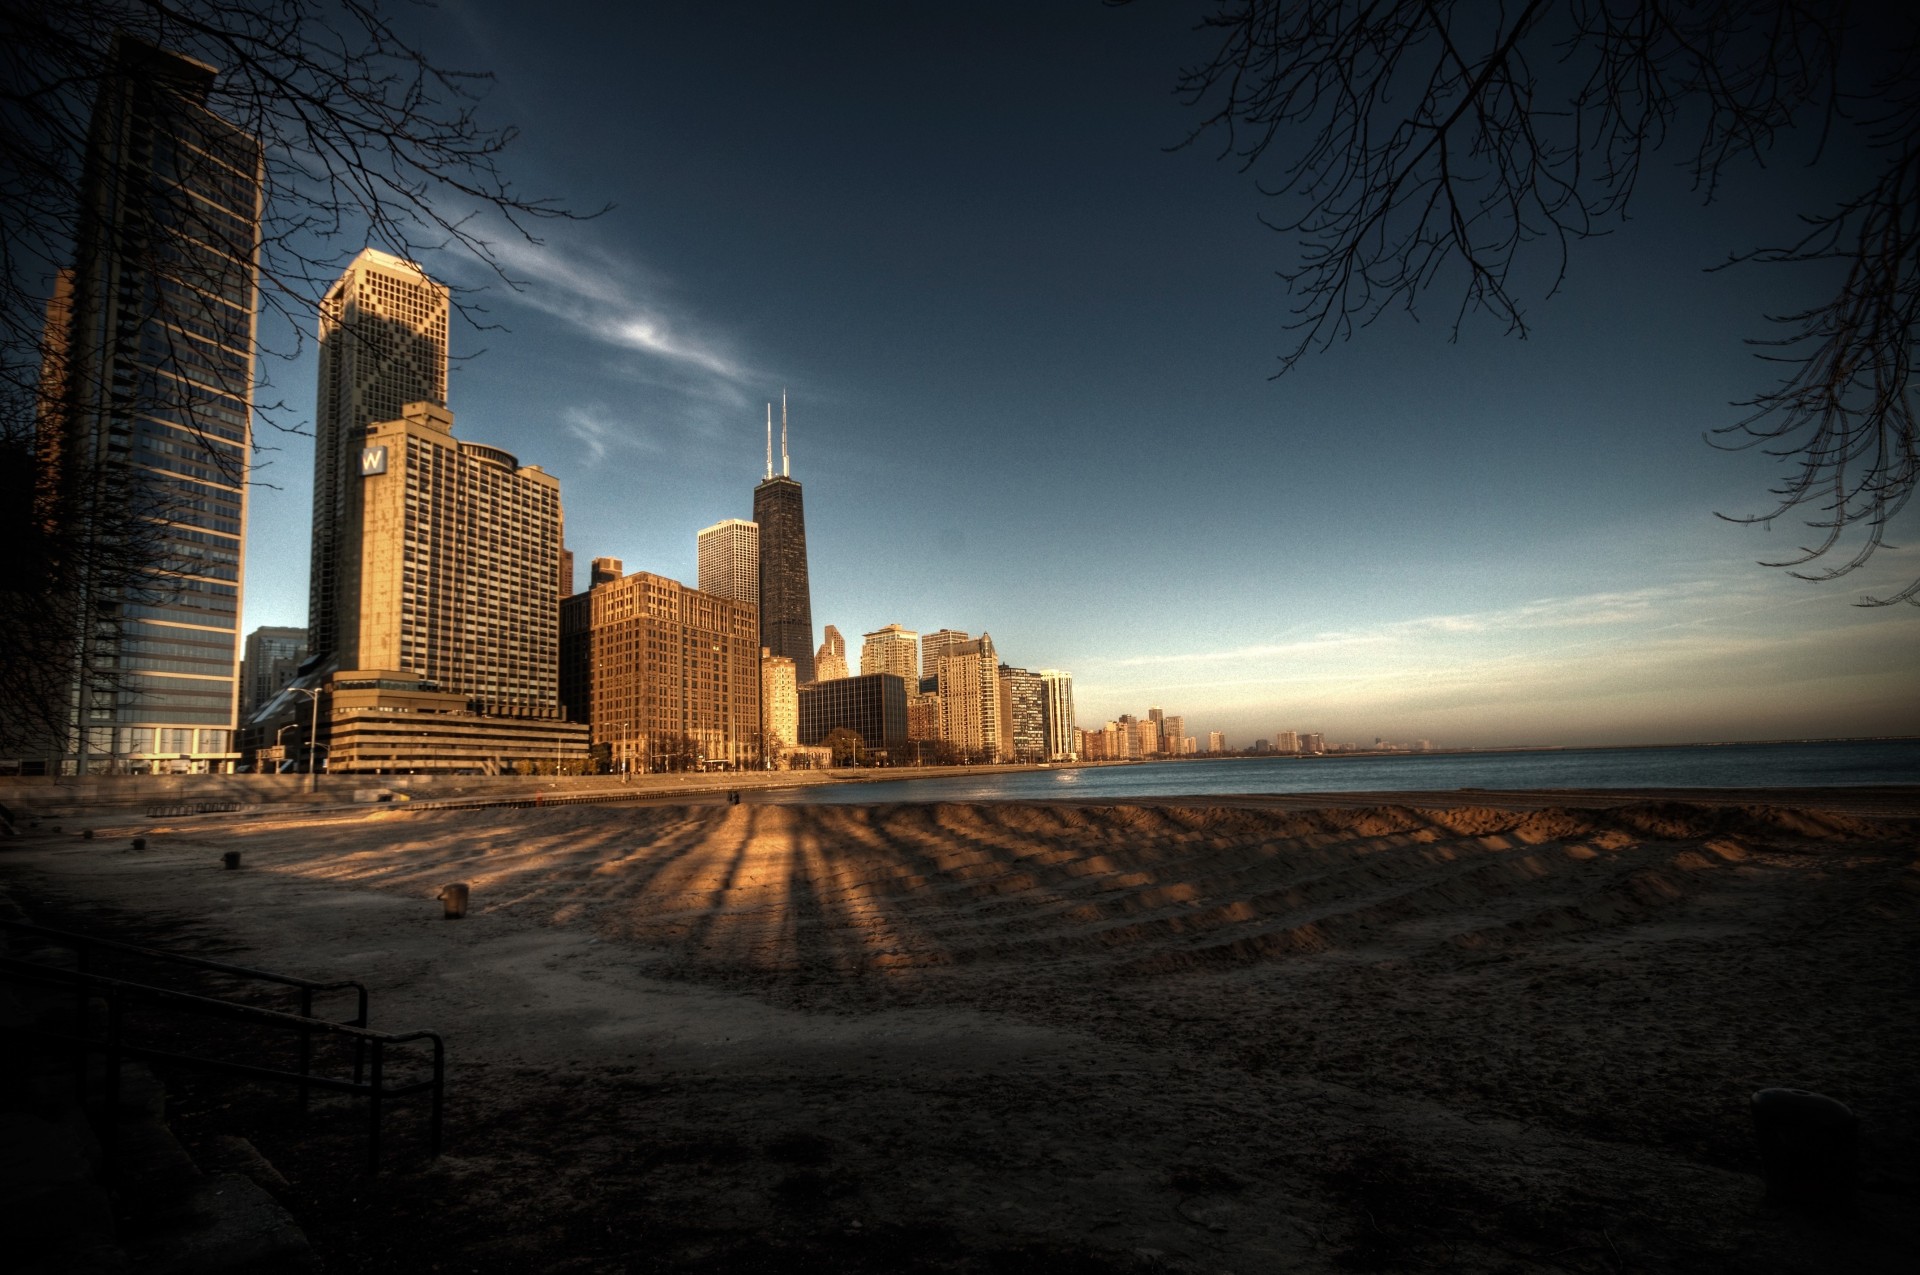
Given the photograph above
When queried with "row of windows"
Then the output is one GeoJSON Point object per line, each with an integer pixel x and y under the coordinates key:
{"type": "Point", "coordinates": [215, 647]}
{"type": "Point", "coordinates": [214, 613]}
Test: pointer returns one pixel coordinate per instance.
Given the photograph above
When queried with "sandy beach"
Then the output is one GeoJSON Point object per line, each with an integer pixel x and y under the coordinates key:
{"type": "Point", "coordinates": [1365, 1033]}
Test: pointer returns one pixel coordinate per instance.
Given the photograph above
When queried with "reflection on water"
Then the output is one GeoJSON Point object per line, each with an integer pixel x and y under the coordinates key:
{"type": "Point", "coordinates": [1817, 765]}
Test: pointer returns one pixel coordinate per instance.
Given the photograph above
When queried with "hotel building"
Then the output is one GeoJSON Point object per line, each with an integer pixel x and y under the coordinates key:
{"type": "Point", "coordinates": [452, 658]}
{"type": "Point", "coordinates": [145, 432]}
{"type": "Point", "coordinates": [673, 674]}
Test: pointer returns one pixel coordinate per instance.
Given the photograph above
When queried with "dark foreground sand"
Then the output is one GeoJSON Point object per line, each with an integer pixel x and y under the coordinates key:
{"type": "Point", "coordinates": [1017, 1037]}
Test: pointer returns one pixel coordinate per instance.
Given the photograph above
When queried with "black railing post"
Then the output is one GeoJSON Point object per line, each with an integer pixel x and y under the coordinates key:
{"type": "Point", "coordinates": [306, 1045]}
{"type": "Point", "coordinates": [373, 1106]}
{"type": "Point", "coordinates": [439, 1096]}
{"type": "Point", "coordinates": [110, 1117]}
{"type": "Point", "coordinates": [360, 1046]}
{"type": "Point", "coordinates": [82, 1036]}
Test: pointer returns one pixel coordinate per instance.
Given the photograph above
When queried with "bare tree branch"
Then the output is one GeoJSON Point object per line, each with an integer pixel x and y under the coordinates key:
{"type": "Point", "coordinates": [362, 140]}
{"type": "Point", "coordinates": [1422, 146]}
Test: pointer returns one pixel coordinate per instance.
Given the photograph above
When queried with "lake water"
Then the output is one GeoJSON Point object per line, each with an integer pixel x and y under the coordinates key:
{"type": "Point", "coordinates": [1817, 765]}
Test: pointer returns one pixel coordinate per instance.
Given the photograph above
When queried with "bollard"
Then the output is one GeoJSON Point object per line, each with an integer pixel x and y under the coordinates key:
{"type": "Point", "coordinates": [1807, 1148]}
{"type": "Point", "coordinates": [231, 859]}
{"type": "Point", "coordinates": [139, 843]}
{"type": "Point", "coordinates": [454, 896]}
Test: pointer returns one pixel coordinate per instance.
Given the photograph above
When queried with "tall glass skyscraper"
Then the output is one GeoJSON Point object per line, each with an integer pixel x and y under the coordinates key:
{"type": "Point", "coordinates": [151, 414]}
{"type": "Point", "coordinates": [786, 603]}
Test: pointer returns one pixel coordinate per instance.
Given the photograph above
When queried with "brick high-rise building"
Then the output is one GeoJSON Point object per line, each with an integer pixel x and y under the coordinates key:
{"type": "Point", "coordinates": [674, 673]}
{"type": "Point", "coordinates": [145, 429]}
{"type": "Point", "coordinates": [383, 345]}
{"type": "Point", "coordinates": [730, 560]}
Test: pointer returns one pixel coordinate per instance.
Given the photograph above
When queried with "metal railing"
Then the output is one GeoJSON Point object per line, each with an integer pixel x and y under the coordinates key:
{"type": "Point", "coordinates": [85, 945]}
{"type": "Point", "coordinates": [114, 1040]}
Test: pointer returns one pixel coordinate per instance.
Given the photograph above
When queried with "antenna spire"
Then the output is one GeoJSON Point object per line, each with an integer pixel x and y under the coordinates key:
{"type": "Point", "coordinates": [769, 440]}
{"type": "Point", "coordinates": [783, 433]}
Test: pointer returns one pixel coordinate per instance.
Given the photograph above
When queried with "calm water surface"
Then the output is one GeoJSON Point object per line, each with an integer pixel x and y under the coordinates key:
{"type": "Point", "coordinates": [1822, 765]}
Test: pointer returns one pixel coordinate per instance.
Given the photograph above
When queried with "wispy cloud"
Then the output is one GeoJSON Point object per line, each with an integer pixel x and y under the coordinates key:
{"type": "Point", "coordinates": [599, 433]}
{"type": "Point", "coordinates": [1596, 610]}
{"type": "Point", "coordinates": [618, 303]}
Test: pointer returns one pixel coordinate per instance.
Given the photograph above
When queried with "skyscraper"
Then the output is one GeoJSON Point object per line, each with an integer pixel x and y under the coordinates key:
{"type": "Point", "coordinates": [456, 556]}
{"type": "Point", "coordinates": [1057, 714]}
{"type": "Point", "coordinates": [272, 657]}
{"type": "Point", "coordinates": [1023, 710]}
{"type": "Point", "coordinates": [893, 650]}
{"type": "Point", "coordinates": [968, 681]}
{"type": "Point", "coordinates": [383, 345]}
{"type": "Point", "coordinates": [936, 644]}
{"type": "Point", "coordinates": [830, 661]}
{"type": "Point", "coordinates": [1173, 739]}
{"type": "Point", "coordinates": [147, 426]}
{"type": "Point", "coordinates": [786, 604]}
{"type": "Point", "coordinates": [730, 560]}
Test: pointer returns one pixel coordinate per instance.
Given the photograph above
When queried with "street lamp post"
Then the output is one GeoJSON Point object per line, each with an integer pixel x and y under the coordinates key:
{"type": "Point", "coordinates": [313, 734]}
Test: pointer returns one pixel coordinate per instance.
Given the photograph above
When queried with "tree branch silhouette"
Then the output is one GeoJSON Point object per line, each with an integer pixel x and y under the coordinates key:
{"type": "Point", "coordinates": [1440, 148]}
{"type": "Point", "coordinates": [364, 141]}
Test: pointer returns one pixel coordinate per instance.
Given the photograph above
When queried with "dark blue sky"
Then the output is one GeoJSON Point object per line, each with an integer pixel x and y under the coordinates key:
{"type": "Point", "coordinates": [1028, 353]}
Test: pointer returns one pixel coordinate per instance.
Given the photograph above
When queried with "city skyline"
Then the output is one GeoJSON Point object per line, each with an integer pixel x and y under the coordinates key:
{"type": "Point", "coordinates": [1489, 542]}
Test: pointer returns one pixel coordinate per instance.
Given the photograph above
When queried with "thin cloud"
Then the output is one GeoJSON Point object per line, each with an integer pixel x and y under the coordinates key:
{"type": "Point", "coordinates": [599, 433]}
{"type": "Point", "coordinates": [616, 303]}
{"type": "Point", "coordinates": [1586, 611]}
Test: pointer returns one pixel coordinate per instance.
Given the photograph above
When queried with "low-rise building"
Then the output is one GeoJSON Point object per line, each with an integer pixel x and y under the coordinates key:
{"type": "Point", "coordinates": [871, 705]}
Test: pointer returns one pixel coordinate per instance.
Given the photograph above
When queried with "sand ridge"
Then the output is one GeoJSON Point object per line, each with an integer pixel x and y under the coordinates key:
{"type": "Point", "coordinates": [1229, 1037]}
